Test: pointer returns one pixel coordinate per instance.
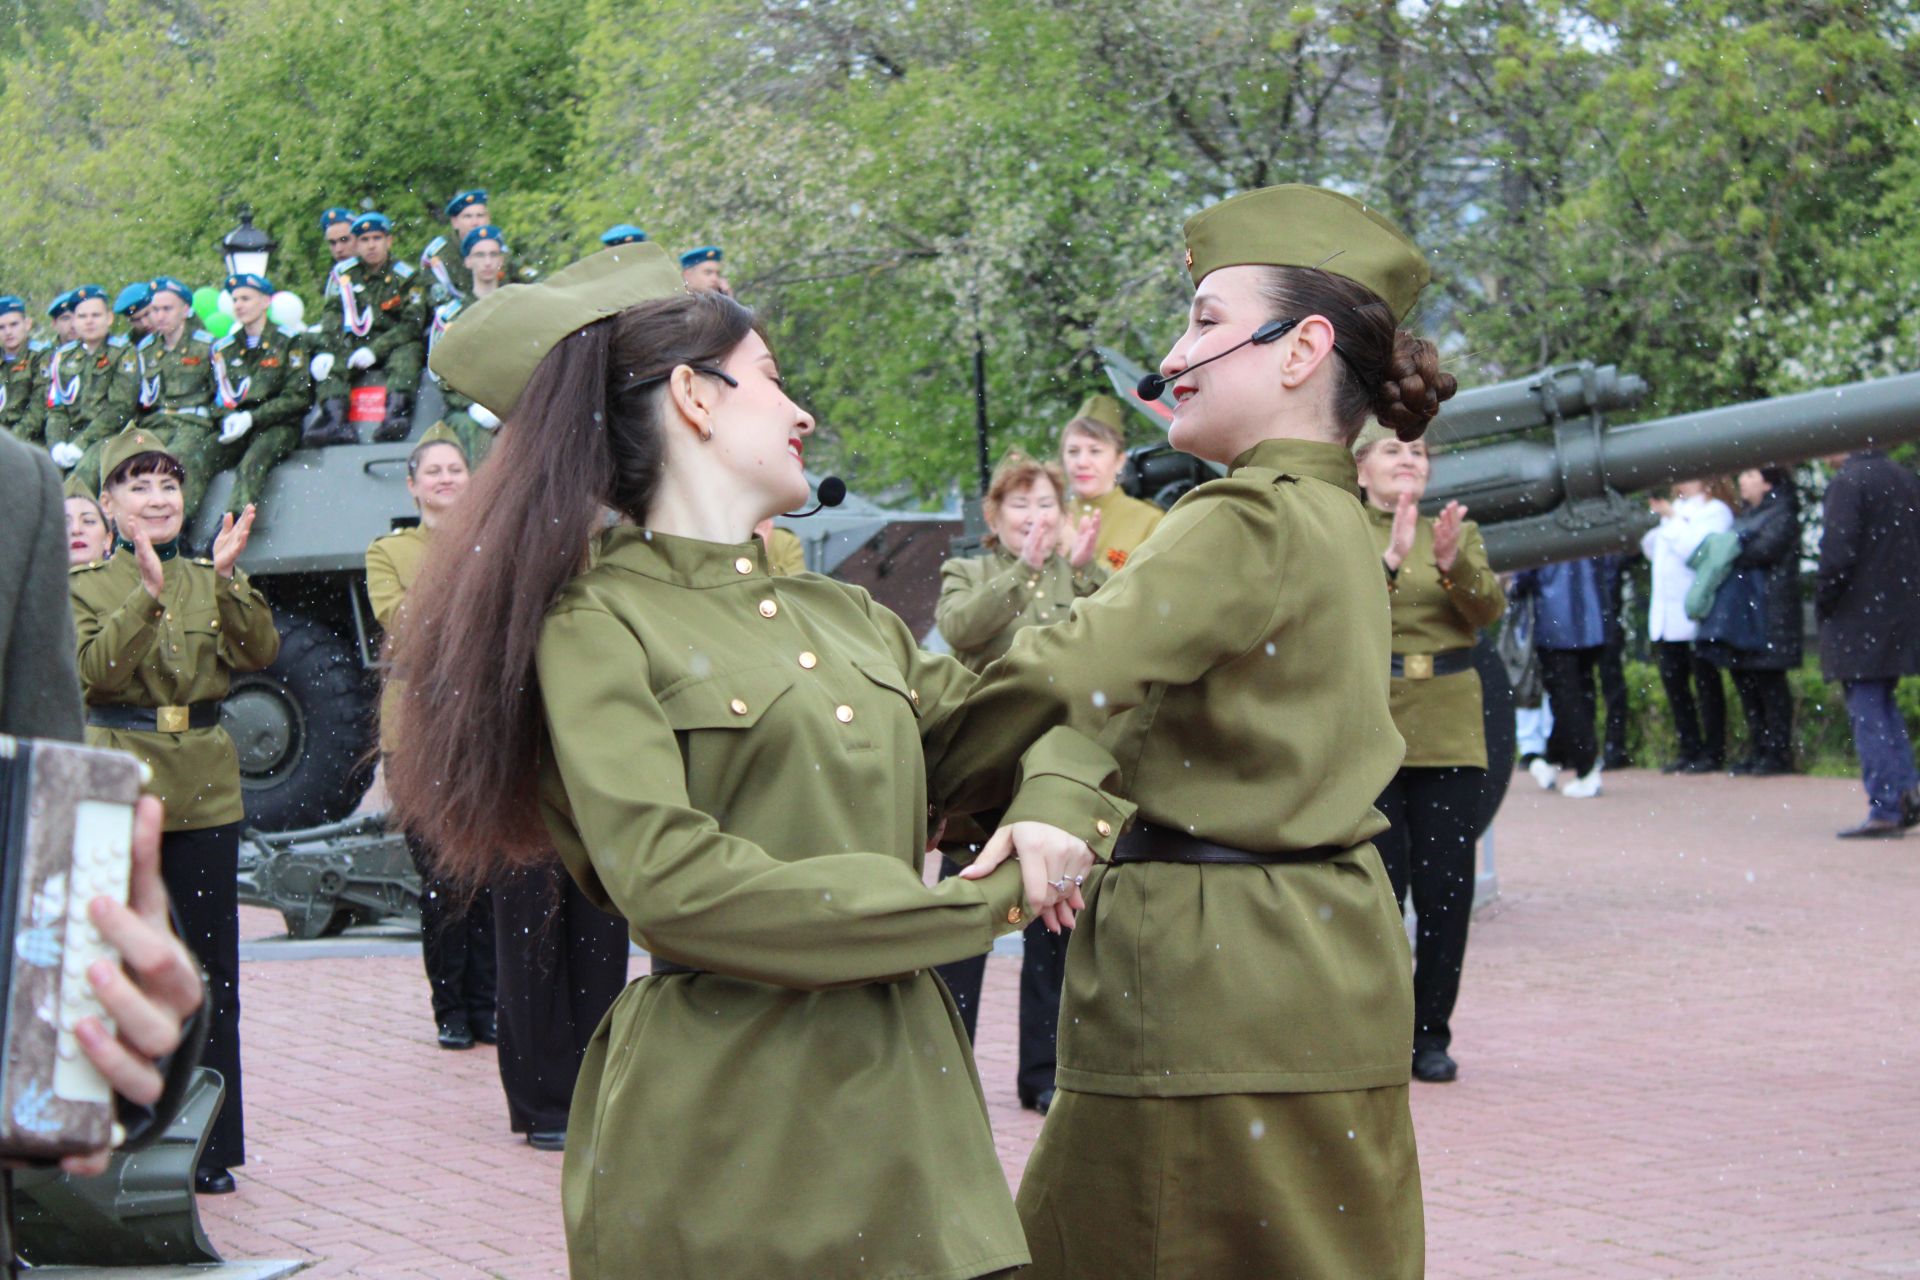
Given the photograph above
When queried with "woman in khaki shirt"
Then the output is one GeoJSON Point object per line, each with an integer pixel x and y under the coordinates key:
{"type": "Point", "coordinates": [1441, 593]}
{"type": "Point", "coordinates": [1093, 448]}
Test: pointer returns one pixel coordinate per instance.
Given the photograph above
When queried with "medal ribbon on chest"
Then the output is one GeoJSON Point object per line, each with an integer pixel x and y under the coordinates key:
{"type": "Point", "coordinates": [230, 395]}
{"type": "Point", "coordinates": [430, 261]}
{"type": "Point", "coordinates": [352, 319]}
{"type": "Point", "coordinates": [58, 395]}
{"type": "Point", "coordinates": [149, 387]}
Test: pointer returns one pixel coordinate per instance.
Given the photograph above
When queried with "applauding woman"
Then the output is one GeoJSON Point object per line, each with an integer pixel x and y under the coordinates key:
{"type": "Point", "coordinates": [160, 637]}
{"type": "Point", "coordinates": [1441, 593]}
{"type": "Point", "coordinates": [743, 767]}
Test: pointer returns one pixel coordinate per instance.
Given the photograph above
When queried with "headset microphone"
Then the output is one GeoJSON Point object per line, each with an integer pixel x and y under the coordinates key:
{"type": "Point", "coordinates": [832, 492]}
{"type": "Point", "coordinates": [1154, 385]}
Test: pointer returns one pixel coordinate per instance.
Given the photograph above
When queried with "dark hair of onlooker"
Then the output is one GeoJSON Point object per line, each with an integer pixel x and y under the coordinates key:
{"type": "Point", "coordinates": [1384, 372]}
{"type": "Point", "coordinates": [146, 464]}
{"type": "Point", "coordinates": [1017, 471]}
{"type": "Point", "coordinates": [585, 437]}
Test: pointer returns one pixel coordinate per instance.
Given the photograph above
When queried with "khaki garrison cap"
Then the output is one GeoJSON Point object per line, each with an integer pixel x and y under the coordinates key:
{"type": "Point", "coordinates": [1104, 410]}
{"type": "Point", "coordinates": [491, 348]}
{"type": "Point", "coordinates": [130, 443]}
{"type": "Point", "coordinates": [439, 433]}
{"type": "Point", "coordinates": [1302, 226]}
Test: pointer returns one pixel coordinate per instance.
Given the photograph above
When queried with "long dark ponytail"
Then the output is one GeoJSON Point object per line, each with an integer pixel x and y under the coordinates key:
{"type": "Point", "coordinates": [586, 439]}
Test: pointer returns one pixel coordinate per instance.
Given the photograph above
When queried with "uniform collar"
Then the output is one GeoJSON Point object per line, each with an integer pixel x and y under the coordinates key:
{"type": "Point", "coordinates": [1315, 459]}
{"type": "Point", "coordinates": [165, 550]}
{"type": "Point", "coordinates": [685, 562]}
{"type": "Point", "coordinates": [1102, 502]}
{"type": "Point", "coordinates": [1374, 513]}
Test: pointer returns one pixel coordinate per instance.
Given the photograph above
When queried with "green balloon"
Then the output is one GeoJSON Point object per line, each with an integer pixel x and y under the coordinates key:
{"type": "Point", "coordinates": [219, 324]}
{"type": "Point", "coordinates": [206, 301]}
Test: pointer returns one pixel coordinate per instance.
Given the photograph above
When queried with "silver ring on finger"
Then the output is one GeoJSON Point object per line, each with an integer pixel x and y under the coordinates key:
{"type": "Point", "coordinates": [1062, 884]}
{"type": "Point", "coordinates": [1078, 881]}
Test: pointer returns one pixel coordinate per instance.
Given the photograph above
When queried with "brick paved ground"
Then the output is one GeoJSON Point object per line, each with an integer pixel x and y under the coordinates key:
{"type": "Point", "coordinates": [1688, 1045]}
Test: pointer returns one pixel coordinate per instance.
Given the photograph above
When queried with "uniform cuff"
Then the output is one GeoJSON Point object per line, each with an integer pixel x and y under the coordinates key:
{"type": "Point", "coordinates": [1064, 782]}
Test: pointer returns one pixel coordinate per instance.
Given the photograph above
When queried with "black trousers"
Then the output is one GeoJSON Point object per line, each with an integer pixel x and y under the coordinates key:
{"type": "Point", "coordinates": [1428, 853]}
{"type": "Point", "coordinates": [1043, 971]}
{"type": "Point", "coordinates": [1568, 676]}
{"type": "Point", "coordinates": [199, 868]}
{"type": "Point", "coordinates": [1768, 704]}
{"type": "Point", "coordinates": [1613, 693]}
{"type": "Point", "coordinates": [456, 943]}
{"type": "Point", "coordinates": [562, 961]}
{"type": "Point", "coordinates": [1697, 699]}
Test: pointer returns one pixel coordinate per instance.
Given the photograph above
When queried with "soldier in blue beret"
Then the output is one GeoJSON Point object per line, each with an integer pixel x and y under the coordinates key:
{"type": "Point", "coordinates": [23, 400]}
{"type": "Point", "coordinates": [373, 329]}
{"type": "Point", "coordinates": [700, 268]}
{"type": "Point", "coordinates": [441, 262]}
{"type": "Point", "coordinates": [60, 316]}
{"type": "Point", "coordinates": [336, 227]}
{"type": "Point", "coordinates": [484, 252]}
{"type": "Point", "coordinates": [622, 233]}
{"type": "Point", "coordinates": [260, 376]}
{"type": "Point", "coordinates": [131, 302]}
{"type": "Point", "coordinates": [87, 402]}
{"type": "Point", "coordinates": [168, 377]}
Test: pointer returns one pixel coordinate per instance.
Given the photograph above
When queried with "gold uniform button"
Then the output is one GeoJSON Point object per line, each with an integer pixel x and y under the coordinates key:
{"type": "Point", "coordinates": [1104, 827]}
{"type": "Point", "coordinates": [768, 608]}
{"type": "Point", "coordinates": [808, 661]}
{"type": "Point", "coordinates": [843, 713]}
{"type": "Point", "coordinates": [743, 565]}
{"type": "Point", "coordinates": [913, 696]}
{"type": "Point", "coordinates": [1014, 915]}
{"type": "Point", "coordinates": [738, 707]}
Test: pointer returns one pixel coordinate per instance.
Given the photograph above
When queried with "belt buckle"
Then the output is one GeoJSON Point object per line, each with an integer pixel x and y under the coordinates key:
{"type": "Point", "coordinates": [171, 719]}
{"type": "Point", "coordinates": [1418, 666]}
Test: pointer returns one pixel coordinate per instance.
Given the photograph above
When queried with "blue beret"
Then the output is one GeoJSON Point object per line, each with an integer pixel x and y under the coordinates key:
{"type": "Point", "coordinates": [622, 233]}
{"type": "Point", "coordinates": [247, 280]}
{"type": "Point", "coordinates": [87, 292]}
{"type": "Point", "coordinates": [61, 305]}
{"type": "Point", "coordinates": [339, 213]}
{"type": "Point", "coordinates": [465, 199]}
{"type": "Point", "coordinates": [694, 257]}
{"type": "Point", "coordinates": [372, 222]}
{"type": "Point", "coordinates": [167, 284]}
{"type": "Point", "coordinates": [10, 304]}
{"type": "Point", "coordinates": [132, 298]}
{"type": "Point", "coordinates": [475, 236]}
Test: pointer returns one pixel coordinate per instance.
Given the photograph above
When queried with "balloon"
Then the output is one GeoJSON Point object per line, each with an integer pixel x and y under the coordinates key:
{"type": "Point", "coordinates": [287, 309]}
{"type": "Point", "coordinates": [225, 303]}
{"type": "Point", "coordinates": [206, 301]}
{"type": "Point", "coordinates": [219, 324]}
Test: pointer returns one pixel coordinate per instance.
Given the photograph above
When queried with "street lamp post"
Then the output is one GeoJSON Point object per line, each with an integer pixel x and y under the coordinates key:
{"type": "Point", "coordinates": [247, 248]}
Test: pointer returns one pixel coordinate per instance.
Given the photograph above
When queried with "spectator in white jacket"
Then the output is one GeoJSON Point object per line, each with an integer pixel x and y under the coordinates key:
{"type": "Point", "coordinates": [1694, 692]}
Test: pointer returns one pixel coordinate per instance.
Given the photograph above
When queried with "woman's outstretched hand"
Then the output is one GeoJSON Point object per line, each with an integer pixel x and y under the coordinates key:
{"type": "Point", "coordinates": [1049, 859]}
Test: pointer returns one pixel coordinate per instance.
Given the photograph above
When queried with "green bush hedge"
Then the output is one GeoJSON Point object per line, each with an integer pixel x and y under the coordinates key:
{"type": "Point", "coordinates": [1822, 735]}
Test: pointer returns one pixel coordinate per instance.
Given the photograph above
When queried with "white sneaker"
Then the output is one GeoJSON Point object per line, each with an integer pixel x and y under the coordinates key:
{"type": "Point", "coordinates": [1584, 787]}
{"type": "Point", "coordinates": [1543, 773]}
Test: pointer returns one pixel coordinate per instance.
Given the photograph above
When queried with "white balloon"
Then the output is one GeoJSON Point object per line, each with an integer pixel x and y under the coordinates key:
{"type": "Point", "coordinates": [287, 309]}
{"type": "Point", "coordinates": [226, 303]}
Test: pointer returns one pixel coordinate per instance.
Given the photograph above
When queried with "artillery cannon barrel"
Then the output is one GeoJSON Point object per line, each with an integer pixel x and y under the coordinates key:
{"type": "Point", "coordinates": [1550, 395]}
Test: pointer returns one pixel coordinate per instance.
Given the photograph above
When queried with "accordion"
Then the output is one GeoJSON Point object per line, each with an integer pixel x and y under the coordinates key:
{"type": "Point", "coordinates": [66, 832]}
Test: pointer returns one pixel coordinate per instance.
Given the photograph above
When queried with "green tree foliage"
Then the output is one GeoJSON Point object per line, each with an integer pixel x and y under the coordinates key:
{"type": "Point", "coordinates": [1722, 196]}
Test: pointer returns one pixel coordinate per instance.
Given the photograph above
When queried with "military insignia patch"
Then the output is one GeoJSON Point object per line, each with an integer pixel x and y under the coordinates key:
{"type": "Point", "coordinates": [1116, 557]}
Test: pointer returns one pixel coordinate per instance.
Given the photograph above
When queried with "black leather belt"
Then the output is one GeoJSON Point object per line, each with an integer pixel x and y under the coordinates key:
{"type": "Point", "coordinates": [1150, 842]}
{"type": "Point", "coordinates": [197, 715]}
{"type": "Point", "coordinates": [1425, 666]}
{"type": "Point", "coordinates": [660, 968]}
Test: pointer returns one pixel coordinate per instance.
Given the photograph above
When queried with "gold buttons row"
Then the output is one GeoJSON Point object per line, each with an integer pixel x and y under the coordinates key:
{"type": "Point", "coordinates": [743, 565]}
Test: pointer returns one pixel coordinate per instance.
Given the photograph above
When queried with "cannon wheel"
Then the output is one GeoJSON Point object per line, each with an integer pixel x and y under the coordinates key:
{"type": "Point", "coordinates": [301, 728]}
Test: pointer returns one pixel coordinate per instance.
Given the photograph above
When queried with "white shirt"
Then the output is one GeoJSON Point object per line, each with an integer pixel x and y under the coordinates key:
{"type": "Point", "coordinates": [1667, 546]}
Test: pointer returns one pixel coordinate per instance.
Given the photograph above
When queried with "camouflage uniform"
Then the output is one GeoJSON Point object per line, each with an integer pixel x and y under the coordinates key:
{"type": "Point", "coordinates": [391, 298]}
{"type": "Point", "coordinates": [177, 403]}
{"type": "Point", "coordinates": [475, 438]}
{"type": "Point", "coordinates": [23, 392]}
{"type": "Point", "coordinates": [88, 402]}
{"type": "Point", "coordinates": [269, 380]}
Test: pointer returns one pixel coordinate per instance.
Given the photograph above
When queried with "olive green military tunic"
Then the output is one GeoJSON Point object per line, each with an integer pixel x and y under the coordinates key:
{"type": "Point", "coordinates": [88, 401]}
{"type": "Point", "coordinates": [786, 555]}
{"type": "Point", "coordinates": [1440, 716]}
{"type": "Point", "coordinates": [177, 401]}
{"type": "Point", "coordinates": [1235, 1041]}
{"type": "Point", "coordinates": [393, 561]}
{"type": "Point", "coordinates": [270, 381]}
{"type": "Point", "coordinates": [742, 766]}
{"type": "Point", "coordinates": [392, 296]}
{"type": "Point", "coordinates": [985, 599]}
{"type": "Point", "coordinates": [181, 649]}
{"type": "Point", "coordinates": [23, 392]}
{"type": "Point", "coordinates": [1125, 523]}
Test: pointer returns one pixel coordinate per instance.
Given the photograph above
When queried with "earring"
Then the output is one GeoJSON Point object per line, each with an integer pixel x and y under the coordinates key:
{"type": "Point", "coordinates": [706, 434]}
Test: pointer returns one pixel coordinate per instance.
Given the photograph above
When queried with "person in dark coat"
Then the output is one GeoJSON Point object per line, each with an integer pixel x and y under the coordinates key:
{"type": "Point", "coordinates": [1569, 633]}
{"type": "Point", "coordinates": [1768, 526]}
{"type": "Point", "coordinates": [1868, 602]}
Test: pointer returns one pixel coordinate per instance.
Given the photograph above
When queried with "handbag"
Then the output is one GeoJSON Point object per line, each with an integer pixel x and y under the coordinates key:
{"type": "Point", "coordinates": [1517, 654]}
{"type": "Point", "coordinates": [1738, 618]}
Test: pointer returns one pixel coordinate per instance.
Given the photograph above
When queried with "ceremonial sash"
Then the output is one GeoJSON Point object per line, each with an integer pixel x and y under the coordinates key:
{"type": "Point", "coordinates": [430, 261]}
{"type": "Point", "coordinates": [149, 387]}
{"type": "Point", "coordinates": [353, 319]}
{"type": "Point", "coordinates": [57, 395]}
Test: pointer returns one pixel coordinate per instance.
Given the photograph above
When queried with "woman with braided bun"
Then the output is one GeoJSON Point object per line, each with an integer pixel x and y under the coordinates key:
{"type": "Point", "coordinates": [1235, 1037]}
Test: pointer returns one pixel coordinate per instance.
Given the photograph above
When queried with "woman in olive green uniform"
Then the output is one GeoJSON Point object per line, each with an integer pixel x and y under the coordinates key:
{"type": "Point", "coordinates": [1023, 580]}
{"type": "Point", "coordinates": [742, 766]}
{"type": "Point", "coordinates": [1093, 448]}
{"type": "Point", "coordinates": [160, 637]}
{"type": "Point", "coordinates": [456, 930]}
{"type": "Point", "coordinates": [1235, 1035]}
{"type": "Point", "coordinates": [1441, 592]}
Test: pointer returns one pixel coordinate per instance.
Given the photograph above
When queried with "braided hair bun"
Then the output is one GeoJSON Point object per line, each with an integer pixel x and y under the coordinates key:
{"type": "Point", "coordinates": [1415, 385]}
